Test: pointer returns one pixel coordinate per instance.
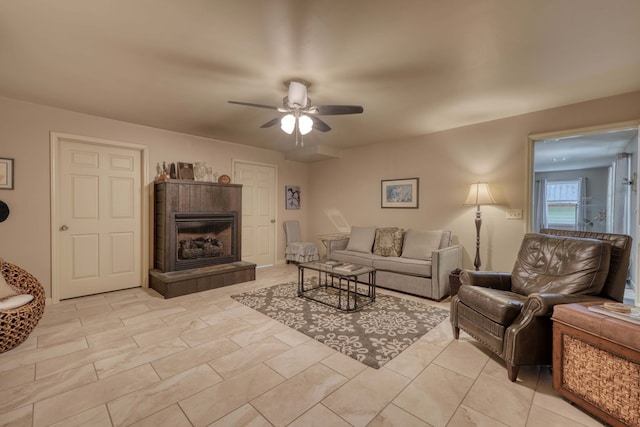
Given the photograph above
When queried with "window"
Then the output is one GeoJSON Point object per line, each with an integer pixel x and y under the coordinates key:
{"type": "Point", "coordinates": [563, 199]}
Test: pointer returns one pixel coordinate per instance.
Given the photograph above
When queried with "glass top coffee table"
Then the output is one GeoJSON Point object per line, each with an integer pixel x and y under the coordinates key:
{"type": "Point", "coordinates": [343, 286]}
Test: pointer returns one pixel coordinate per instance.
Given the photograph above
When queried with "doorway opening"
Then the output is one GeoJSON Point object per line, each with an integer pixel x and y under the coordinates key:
{"type": "Point", "coordinates": [586, 180]}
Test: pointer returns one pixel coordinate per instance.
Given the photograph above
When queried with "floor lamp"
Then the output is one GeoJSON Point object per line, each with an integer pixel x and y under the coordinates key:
{"type": "Point", "coordinates": [479, 194]}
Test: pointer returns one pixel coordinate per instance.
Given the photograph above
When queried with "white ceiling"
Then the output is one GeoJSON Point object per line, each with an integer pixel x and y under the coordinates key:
{"type": "Point", "coordinates": [583, 151]}
{"type": "Point", "coordinates": [416, 66]}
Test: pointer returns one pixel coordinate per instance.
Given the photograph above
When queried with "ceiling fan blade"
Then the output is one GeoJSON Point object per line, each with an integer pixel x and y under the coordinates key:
{"type": "Point", "coordinates": [271, 123]}
{"type": "Point", "coordinates": [251, 104]}
{"type": "Point", "coordinates": [334, 110]}
{"type": "Point", "coordinates": [319, 124]}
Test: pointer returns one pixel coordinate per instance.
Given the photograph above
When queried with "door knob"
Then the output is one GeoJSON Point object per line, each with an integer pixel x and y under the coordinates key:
{"type": "Point", "coordinates": [273, 221]}
{"type": "Point", "coordinates": [64, 228]}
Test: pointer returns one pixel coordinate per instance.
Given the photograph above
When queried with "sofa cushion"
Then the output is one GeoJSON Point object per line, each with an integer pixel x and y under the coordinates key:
{"type": "Point", "coordinates": [420, 244]}
{"type": "Point", "coordinates": [445, 242]}
{"type": "Point", "coordinates": [353, 257]}
{"type": "Point", "coordinates": [361, 239]}
{"type": "Point", "coordinates": [416, 267]}
{"type": "Point", "coordinates": [500, 306]}
{"type": "Point", "coordinates": [388, 241]}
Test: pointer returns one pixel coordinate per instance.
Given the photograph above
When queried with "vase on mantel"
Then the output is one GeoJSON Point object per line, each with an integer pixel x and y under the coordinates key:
{"type": "Point", "coordinates": [211, 176]}
{"type": "Point", "coordinates": [200, 171]}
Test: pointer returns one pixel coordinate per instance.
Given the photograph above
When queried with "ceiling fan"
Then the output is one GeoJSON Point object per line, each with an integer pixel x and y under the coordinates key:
{"type": "Point", "coordinates": [300, 116]}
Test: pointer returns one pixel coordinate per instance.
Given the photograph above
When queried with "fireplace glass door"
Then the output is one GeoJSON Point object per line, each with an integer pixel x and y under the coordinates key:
{"type": "Point", "coordinates": [202, 240]}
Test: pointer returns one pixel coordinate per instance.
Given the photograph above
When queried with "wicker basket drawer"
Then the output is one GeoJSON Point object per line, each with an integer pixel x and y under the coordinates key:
{"type": "Point", "coordinates": [597, 374]}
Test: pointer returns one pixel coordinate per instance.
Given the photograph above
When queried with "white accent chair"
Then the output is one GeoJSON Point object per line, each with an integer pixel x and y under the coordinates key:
{"type": "Point", "coordinates": [297, 250]}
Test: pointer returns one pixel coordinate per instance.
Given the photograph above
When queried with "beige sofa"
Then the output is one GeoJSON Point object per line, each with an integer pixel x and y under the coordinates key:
{"type": "Point", "coordinates": [412, 261]}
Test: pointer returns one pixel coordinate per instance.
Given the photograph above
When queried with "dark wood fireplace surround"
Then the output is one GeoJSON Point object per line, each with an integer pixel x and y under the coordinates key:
{"type": "Point", "coordinates": [174, 198]}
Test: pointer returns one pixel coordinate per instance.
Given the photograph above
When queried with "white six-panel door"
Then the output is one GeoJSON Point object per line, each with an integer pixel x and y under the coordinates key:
{"type": "Point", "coordinates": [258, 211]}
{"type": "Point", "coordinates": [98, 201]}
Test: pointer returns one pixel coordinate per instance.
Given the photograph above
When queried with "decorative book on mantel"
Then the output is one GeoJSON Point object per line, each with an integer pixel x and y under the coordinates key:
{"type": "Point", "coordinates": [619, 311]}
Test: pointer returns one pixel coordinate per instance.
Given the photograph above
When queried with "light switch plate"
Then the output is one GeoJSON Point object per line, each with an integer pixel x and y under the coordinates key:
{"type": "Point", "coordinates": [514, 213]}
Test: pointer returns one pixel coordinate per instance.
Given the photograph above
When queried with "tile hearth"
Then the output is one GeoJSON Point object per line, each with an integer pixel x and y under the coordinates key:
{"type": "Point", "coordinates": [134, 358]}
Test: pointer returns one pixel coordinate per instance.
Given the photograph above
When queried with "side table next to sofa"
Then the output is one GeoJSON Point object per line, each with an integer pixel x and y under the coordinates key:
{"type": "Point", "coordinates": [454, 281]}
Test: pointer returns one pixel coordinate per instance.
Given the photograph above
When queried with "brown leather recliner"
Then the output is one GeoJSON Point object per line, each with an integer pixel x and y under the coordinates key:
{"type": "Point", "coordinates": [511, 312]}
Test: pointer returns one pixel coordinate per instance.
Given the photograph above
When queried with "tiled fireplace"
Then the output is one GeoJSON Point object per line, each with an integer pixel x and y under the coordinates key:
{"type": "Point", "coordinates": [197, 241]}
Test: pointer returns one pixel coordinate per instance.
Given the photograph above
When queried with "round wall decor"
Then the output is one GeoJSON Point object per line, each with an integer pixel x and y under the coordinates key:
{"type": "Point", "coordinates": [4, 211]}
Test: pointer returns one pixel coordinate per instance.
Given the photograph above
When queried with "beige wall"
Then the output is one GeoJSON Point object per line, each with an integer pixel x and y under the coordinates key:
{"type": "Point", "coordinates": [446, 163]}
{"type": "Point", "coordinates": [24, 136]}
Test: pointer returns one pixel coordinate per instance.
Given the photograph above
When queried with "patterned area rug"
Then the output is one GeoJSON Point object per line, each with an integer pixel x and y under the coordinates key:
{"type": "Point", "coordinates": [373, 335]}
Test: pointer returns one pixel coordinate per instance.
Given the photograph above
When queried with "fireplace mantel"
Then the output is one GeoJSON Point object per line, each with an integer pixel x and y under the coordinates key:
{"type": "Point", "coordinates": [177, 199]}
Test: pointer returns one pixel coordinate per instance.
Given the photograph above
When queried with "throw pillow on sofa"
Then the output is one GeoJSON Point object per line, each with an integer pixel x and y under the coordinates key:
{"type": "Point", "coordinates": [361, 239]}
{"type": "Point", "coordinates": [388, 241]}
{"type": "Point", "coordinates": [419, 244]}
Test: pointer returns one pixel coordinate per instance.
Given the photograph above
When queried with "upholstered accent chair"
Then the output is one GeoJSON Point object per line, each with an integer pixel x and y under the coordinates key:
{"type": "Point", "coordinates": [510, 313]}
{"type": "Point", "coordinates": [297, 250]}
{"type": "Point", "coordinates": [17, 323]}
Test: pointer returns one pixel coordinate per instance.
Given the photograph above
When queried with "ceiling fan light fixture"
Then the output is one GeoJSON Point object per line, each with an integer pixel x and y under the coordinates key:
{"type": "Point", "coordinates": [288, 123]}
{"type": "Point", "coordinates": [299, 115]}
{"type": "Point", "coordinates": [305, 124]}
{"type": "Point", "coordinates": [297, 94]}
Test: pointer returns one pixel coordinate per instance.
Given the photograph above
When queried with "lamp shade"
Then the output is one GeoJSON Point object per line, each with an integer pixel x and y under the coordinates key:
{"type": "Point", "coordinates": [305, 124]}
{"type": "Point", "coordinates": [288, 123]}
{"type": "Point", "coordinates": [479, 194]}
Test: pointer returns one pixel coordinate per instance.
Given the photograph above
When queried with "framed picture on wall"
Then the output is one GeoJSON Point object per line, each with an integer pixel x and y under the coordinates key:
{"type": "Point", "coordinates": [292, 196]}
{"type": "Point", "coordinates": [185, 171]}
{"type": "Point", "coordinates": [399, 193]}
{"type": "Point", "coordinates": [6, 174]}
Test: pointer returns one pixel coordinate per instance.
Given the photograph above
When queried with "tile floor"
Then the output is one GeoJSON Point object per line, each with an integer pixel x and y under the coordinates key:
{"type": "Point", "coordinates": [134, 358]}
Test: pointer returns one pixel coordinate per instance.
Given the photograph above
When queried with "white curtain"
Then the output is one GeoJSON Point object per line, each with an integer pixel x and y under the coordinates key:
{"type": "Point", "coordinates": [540, 202]}
{"type": "Point", "coordinates": [621, 193]}
{"type": "Point", "coordinates": [582, 209]}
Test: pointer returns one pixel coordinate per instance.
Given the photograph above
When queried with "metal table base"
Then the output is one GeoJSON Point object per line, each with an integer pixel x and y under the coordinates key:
{"type": "Point", "coordinates": [344, 284]}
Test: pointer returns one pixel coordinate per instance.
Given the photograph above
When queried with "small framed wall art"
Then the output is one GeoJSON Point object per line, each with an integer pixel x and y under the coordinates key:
{"type": "Point", "coordinates": [6, 174]}
{"type": "Point", "coordinates": [399, 193]}
{"type": "Point", "coordinates": [292, 197]}
{"type": "Point", "coordinates": [185, 171]}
